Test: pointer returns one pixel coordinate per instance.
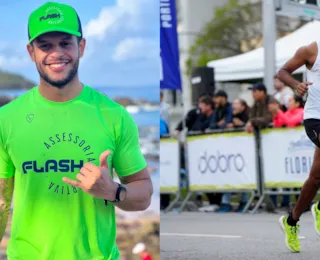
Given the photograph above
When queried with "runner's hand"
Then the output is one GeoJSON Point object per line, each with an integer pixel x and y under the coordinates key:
{"type": "Point", "coordinates": [96, 180]}
{"type": "Point", "coordinates": [302, 88]}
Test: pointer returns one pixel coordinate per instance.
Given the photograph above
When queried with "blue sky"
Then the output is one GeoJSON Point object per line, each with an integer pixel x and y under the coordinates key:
{"type": "Point", "coordinates": [122, 41]}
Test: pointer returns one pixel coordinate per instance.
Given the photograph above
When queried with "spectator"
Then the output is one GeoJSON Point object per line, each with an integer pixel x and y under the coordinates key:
{"type": "Point", "coordinates": [292, 117]}
{"type": "Point", "coordinates": [164, 198]}
{"type": "Point", "coordinates": [282, 93]}
{"type": "Point", "coordinates": [259, 115]}
{"type": "Point", "coordinates": [163, 127]}
{"type": "Point", "coordinates": [203, 120]}
{"type": "Point", "coordinates": [240, 113]}
{"type": "Point", "coordinates": [164, 109]}
{"type": "Point", "coordinates": [222, 115]}
{"type": "Point", "coordinates": [190, 119]}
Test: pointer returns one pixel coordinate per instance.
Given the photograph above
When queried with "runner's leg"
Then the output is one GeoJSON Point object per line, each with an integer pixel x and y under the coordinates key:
{"type": "Point", "coordinates": [309, 189]}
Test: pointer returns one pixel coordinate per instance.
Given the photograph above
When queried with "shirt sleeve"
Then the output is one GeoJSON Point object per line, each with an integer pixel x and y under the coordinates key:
{"type": "Point", "coordinates": [213, 121]}
{"type": "Point", "coordinates": [229, 115]}
{"type": "Point", "coordinates": [295, 119]}
{"type": "Point", "coordinates": [6, 166]}
{"type": "Point", "coordinates": [279, 119]}
{"type": "Point", "coordinates": [128, 158]}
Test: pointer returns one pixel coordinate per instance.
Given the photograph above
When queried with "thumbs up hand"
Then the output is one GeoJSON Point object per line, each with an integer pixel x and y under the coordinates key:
{"type": "Point", "coordinates": [96, 180]}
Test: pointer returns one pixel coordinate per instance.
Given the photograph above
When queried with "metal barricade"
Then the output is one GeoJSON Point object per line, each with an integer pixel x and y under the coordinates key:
{"type": "Point", "coordinates": [223, 161]}
{"type": "Point", "coordinates": [286, 159]}
{"type": "Point", "coordinates": [170, 168]}
{"type": "Point", "coordinates": [265, 163]}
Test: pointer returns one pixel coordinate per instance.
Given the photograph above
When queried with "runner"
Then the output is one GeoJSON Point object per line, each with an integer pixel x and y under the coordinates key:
{"type": "Point", "coordinates": [59, 144]}
{"type": "Point", "coordinates": [308, 56]}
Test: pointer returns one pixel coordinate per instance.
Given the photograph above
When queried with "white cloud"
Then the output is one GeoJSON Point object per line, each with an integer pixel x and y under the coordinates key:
{"type": "Point", "coordinates": [123, 40]}
{"type": "Point", "coordinates": [126, 14]}
{"type": "Point", "coordinates": [123, 35]}
{"type": "Point", "coordinates": [136, 48]}
{"type": "Point", "coordinates": [106, 19]}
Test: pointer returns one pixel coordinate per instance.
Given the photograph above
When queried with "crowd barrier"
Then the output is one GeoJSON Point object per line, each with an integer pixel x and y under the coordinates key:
{"type": "Point", "coordinates": [287, 156]}
{"type": "Point", "coordinates": [269, 162]}
{"type": "Point", "coordinates": [170, 168]}
{"type": "Point", "coordinates": [222, 162]}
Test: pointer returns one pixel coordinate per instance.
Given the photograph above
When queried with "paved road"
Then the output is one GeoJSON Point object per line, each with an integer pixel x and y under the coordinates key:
{"type": "Point", "coordinates": [207, 236]}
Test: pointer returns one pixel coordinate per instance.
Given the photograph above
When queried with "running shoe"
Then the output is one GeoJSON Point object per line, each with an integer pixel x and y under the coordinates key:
{"type": "Point", "coordinates": [291, 233]}
{"type": "Point", "coordinates": [316, 216]}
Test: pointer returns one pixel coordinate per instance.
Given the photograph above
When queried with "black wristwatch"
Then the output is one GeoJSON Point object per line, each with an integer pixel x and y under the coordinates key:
{"type": "Point", "coordinates": [120, 194]}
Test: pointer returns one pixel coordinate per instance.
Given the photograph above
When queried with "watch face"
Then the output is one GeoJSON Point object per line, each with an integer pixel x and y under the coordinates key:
{"type": "Point", "coordinates": [123, 193]}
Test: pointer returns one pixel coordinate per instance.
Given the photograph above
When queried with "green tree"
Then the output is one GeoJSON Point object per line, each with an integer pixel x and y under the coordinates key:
{"type": "Point", "coordinates": [235, 28]}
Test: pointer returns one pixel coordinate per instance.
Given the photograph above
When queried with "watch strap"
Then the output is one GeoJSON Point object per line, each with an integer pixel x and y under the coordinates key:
{"type": "Point", "coordinates": [117, 195]}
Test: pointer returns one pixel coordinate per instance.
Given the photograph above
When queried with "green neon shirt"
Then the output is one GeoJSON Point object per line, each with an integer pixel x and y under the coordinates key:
{"type": "Point", "coordinates": [42, 141]}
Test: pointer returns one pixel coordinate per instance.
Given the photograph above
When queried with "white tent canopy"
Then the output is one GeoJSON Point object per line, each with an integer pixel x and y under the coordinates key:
{"type": "Point", "coordinates": [250, 65]}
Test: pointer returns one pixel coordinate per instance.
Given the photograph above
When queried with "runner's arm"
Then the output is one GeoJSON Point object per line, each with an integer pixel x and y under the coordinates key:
{"type": "Point", "coordinates": [139, 191]}
{"type": "Point", "coordinates": [6, 191]}
{"type": "Point", "coordinates": [7, 171]}
{"type": "Point", "coordinates": [131, 166]}
{"type": "Point", "coordinates": [303, 56]}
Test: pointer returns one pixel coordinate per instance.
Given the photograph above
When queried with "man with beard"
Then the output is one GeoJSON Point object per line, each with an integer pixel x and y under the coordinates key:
{"type": "Point", "coordinates": [203, 120]}
{"type": "Point", "coordinates": [222, 115]}
{"type": "Point", "coordinates": [60, 144]}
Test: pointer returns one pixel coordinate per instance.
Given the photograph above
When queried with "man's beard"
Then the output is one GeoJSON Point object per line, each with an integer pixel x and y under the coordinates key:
{"type": "Point", "coordinates": [59, 83]}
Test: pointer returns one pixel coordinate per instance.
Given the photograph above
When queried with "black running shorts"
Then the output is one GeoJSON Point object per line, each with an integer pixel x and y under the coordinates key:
{"type": "Point", "coordinates": [312, 127]}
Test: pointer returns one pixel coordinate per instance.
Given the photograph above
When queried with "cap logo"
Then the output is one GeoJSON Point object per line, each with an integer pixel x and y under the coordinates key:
{"type": "Point", "coordinates": [52, 13]}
